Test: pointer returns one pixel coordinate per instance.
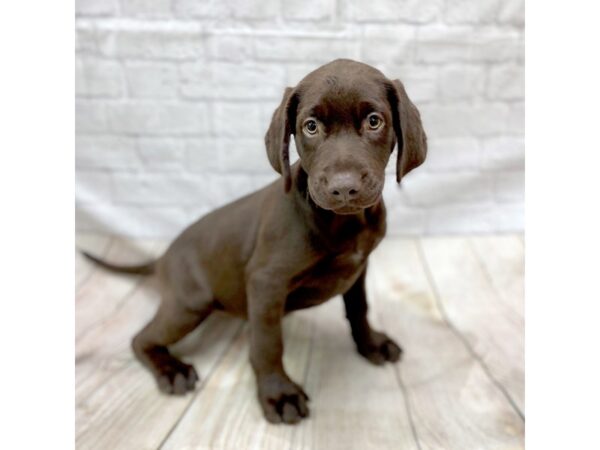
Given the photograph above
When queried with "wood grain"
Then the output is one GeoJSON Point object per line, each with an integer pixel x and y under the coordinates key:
{"type": "Point", "coordinates": [488, 322]}
{"type": "Point", "coordinates": [97, 244]}
{"type": "Point", "coordinates": [445, 394]}
{"type": "Point", "coordinates": [117, 402]}
{"type": "Point", "coordinates": [502, 258]}
{"type": "Point", "coordinates": [226, 414]}
{"type": "Point", "coordinates": [103, 293]}
{"type": "Point", "coordinates": [452, 401]}
{"type": "Point", "coordinates": [355, 405]}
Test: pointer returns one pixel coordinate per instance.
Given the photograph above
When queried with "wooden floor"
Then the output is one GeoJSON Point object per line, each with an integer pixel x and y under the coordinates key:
{"type": "Point", "coordinates": [454, 304]}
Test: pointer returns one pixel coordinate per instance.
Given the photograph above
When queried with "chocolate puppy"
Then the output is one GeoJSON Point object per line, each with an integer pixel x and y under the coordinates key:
{"type": "Point", "coordinates": [299, 241]}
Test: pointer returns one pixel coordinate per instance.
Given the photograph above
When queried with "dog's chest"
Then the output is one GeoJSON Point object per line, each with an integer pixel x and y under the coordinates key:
{"type": "Point", "coordinates": [331, 275]}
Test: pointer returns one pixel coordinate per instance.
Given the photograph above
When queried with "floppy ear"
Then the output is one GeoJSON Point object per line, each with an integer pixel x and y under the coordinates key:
{"type": "Point", "coordinates": [412, 141]}
{"type": "Point", "coordinates": [277, 139]}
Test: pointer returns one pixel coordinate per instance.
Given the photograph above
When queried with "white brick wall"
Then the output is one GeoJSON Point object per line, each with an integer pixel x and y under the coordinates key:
{"type": "Point", "coordinates": [173, 98]}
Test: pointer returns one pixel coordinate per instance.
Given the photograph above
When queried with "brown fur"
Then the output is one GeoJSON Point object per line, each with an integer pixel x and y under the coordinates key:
{"type": "Point", "coordinates": [299, 241]}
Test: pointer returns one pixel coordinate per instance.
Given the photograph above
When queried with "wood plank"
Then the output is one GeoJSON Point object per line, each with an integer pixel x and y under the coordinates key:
{"type": "Point", "coordinates": [453, 404]}
{"type": "Point", "coordinates": [93, 242]}
{"type": "Point", "coordinates": [489, 326]}
{"type": "Point", "coordinates": [118, 404]}
{"type": "Point", "coordinates": [104, 291]}
{"type": "Point", "coordinates": [355, 405]}
{"type": "Point", "coordinates": [502, 258]}
{"type": "Point", "coordinates": [226, 414]}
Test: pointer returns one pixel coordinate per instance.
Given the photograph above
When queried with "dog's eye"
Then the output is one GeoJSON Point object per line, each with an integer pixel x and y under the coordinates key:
{"type": "Point", "coordinates": [310, 127]}
{"type": "Point", "coordinates": [375, 121]}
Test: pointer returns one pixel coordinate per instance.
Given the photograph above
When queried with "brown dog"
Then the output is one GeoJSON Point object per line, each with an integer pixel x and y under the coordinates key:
{"type": "Point", "coordinates": [297, 242]}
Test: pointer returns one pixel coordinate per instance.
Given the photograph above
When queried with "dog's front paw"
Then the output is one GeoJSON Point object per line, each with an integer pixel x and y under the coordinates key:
{"type": "Point", "coordinates": [176, 377]}
{"type": "Point", "coordinates": [379, 348]}
{"type": "Point", "coordinates": [281, 399]}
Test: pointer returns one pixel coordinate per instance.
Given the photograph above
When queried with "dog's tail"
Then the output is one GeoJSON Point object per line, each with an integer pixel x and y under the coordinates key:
{"type": "Point", "coordinates": [141, 269]}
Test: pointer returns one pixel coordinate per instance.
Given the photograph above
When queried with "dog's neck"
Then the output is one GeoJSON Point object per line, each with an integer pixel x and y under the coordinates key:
{"type": "Point", "coordinates": [325, 221]}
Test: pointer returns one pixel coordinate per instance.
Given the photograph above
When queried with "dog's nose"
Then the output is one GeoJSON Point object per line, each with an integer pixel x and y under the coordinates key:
{"type": "Point", "coordinates": [344, 186]}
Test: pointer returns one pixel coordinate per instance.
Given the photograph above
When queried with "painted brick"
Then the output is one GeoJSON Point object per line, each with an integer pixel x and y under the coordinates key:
{"type": "Point", "coordinates": [229, 187]}
{"type": "Point", "coordinates": [96, 7]}
{"type": "Point", "coordinates": [133, 221]}
{"type": "Point", "coordinates": [412, 11]}
{"type": "Point", "coordinates": [509, 187]}
{"type": "Point", "coordinates": [90, 116]}
{"type": "Point", "coordinates": [229, 80]}
{"type": "Point", "coordinates": [105, 152]}
{"type": "Point", "coordinates": [174, 96]}
{"type": "Point", "coordinates": [388, 44]}
{"type": "Point", "coordinates": [458, 219]}
{"type": "Point", "coordinates": [317, 49]}
{"type": "Point", "coordinates": [244, 155]}
{"type": "Point", "coordinates": [426, 189]}
{"type": "Point", "coordinates": [148, 79]}
{"type": "Point", "coordinates": [202, 154]}
{"type": "Point", "coordinates": [512, 12]}
{"type": "Point", "coordinates": [98, 78]}
{"type": "Point", "coordinates": [503, 153]}
{"type": "Point", "coordinates": [507, 83]}
{"type": "Point", "coordinates": [210, 9]}
{"type": "Point", "coordinates": [86, 39]}
{"type": "Point", "coordinates": [146, 8]}
{"type": "Point", "coordinates": [516, 119]}
{"type": "Point", "coordinates": [296, 72]}
{"type": "Point", "coordinates": [92, 187]}
{"type": "Point", "coordinates": [158, 118]}
{"type": "Point", "coordinates": [420, 81]}
{"type": "Point", "coordinates": [164, 154]}
{"type": "Point", "coordinates": [462, 82]}
{"type": "Point", "coordinates": [157, 43]}
{"type": "Point", "coordinates": [308, 9]}
{"type": "Point", "coordinates": [438, 44]}
{"type": "Point", "coordinates": [238, 120]}
{"type": "Point", "coordinates": [473, 12]}
{"type": "Point", "coordinates": [252, 10]}
{"type": "Point", "coordinates": [229, 47]}
{"type": "Point", "coordinates": [159, 188]}
{"type": "Point", "coordinates": [452, 154]}
{"type": "Point", "coordinates": [255, 9]}
{"type": "Point", "coordinates": [465, 120]}
{"type": "Point", "coordinates": [402, 218]}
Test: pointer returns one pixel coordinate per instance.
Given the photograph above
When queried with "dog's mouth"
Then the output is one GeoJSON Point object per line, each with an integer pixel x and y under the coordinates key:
{"type": "Point", "coordinates": [370, 197]}
{"type": "Point", "coordinates": [346, 208]}
{"type": "Point", "coordinates": [351, 208]}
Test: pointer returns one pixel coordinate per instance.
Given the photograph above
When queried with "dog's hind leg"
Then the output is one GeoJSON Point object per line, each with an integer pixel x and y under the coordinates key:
{"type": "Point", "coordinates": [173, 320]}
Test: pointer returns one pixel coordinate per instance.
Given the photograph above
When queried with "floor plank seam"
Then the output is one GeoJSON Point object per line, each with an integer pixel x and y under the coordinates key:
{"type": "Point", "coordinates": [120, 304]}
{"type": "Point", "coordinates": [200, 388]}
{"type": "Point", "coordinates": [103, 254]}
{"type": "Point", "coordinates": [398, 376]}
{"type": "Point", "coordinates": [80, 433]}
{"type": "Point", "coordinates": [296, 430]}
{"type": "Point", "coordinates": [106, 377]}
{"type": "Point", "coordinates": [488, 275]}
{"type": "Point", "coordinates": [461, 337]}
{"type": "Point", "coordinates": [408, 408]}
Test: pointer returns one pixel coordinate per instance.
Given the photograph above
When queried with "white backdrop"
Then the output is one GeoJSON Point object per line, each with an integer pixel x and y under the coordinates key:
{"type": "Point", "coordinates": [173, 98]}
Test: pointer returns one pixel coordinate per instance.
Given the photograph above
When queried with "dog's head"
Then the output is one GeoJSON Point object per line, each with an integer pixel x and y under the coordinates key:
{"type": "Point", "coordinates": [346, 118]}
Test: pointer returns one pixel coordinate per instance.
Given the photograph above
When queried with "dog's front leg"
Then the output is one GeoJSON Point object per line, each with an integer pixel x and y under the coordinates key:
{"type": "Point", "coordinates": [281, 399]}
{"type": "Point", "coordinates": [377, 347]}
